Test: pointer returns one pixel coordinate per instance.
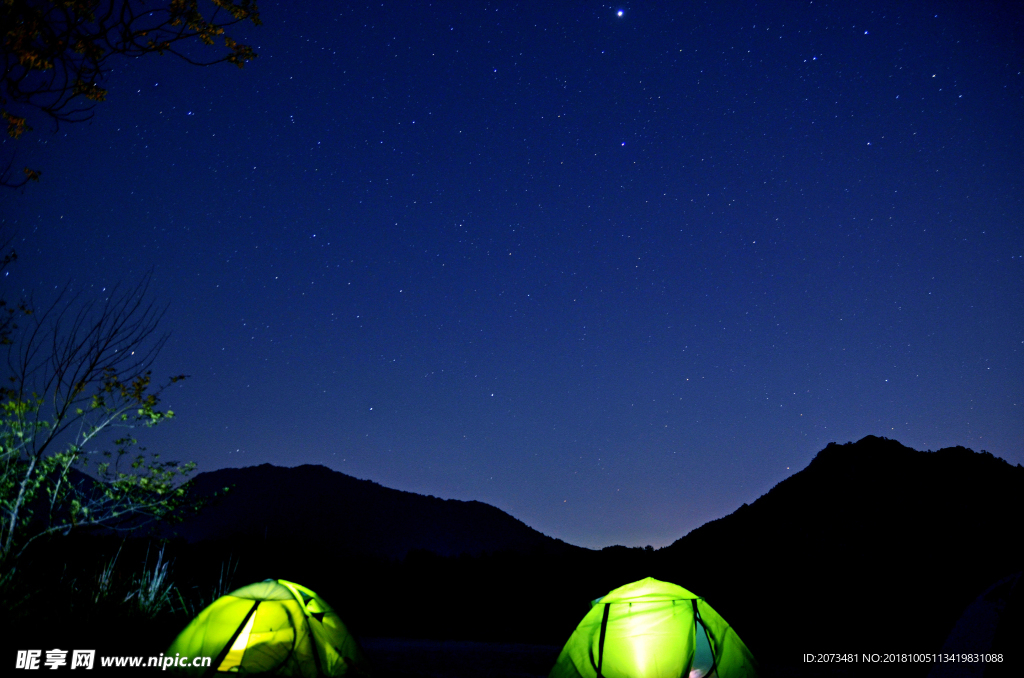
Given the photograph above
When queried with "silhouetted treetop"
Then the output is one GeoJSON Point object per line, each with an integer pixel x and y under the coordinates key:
{"type": "Point", "coordinates": [54, 53]}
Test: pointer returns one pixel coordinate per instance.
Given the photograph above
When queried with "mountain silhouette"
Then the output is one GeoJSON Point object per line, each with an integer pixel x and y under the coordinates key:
{"type": "Point", "coordinates": [873, 548]}
{"type": "Point", "coordinates": [316, 505]}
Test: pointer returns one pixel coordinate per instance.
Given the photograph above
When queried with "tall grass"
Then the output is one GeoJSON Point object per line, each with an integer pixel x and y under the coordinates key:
{"type": "Point", "coordinates": [151, 592]}
{"type": "Point", "coordinates": [102, 582]}
{"type": "Point", "coordinates": [105, 579]}
{"type": "Point", "coordinates": [224, 585]}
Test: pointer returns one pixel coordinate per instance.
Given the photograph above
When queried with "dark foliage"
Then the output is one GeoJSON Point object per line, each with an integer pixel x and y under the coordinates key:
{"type": "Point", "coordinates": [57, 600]}
{"type": "Point", "coordinates": [54, 54]}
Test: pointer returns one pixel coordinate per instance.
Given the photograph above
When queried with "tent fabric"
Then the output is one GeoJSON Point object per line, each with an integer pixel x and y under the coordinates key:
{"type": "Point", "coordinates": [274, 627]}
{"type": "Point", "coordinates": [653, 629]}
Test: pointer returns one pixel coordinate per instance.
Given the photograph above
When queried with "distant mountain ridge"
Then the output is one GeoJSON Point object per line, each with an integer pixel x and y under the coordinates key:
{"type": "Point", "coordinates": [877, 488]}
{"type": "Point", "coordinates": [317, 505]}
{"type": "Point", "coordinates": [872, 548]}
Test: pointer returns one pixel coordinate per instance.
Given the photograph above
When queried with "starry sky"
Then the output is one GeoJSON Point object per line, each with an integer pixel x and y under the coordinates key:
{"type": "Point", "coordinates": [615, 269]}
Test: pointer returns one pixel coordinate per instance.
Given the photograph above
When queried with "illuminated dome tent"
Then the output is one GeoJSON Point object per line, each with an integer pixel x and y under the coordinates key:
{"type": "Point", "coordinates": [274, 627]}
{"type": "Point", "coordinates": [653, 629]}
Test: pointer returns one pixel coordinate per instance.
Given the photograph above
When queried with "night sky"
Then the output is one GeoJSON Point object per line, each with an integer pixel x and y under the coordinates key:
{"type": "Point", "coordinates": [613, 269]}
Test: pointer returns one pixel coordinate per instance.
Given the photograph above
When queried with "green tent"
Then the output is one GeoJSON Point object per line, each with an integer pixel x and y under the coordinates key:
{"type": "Point", "coordinates": [653, 629]}
{"type": "Point", "coordinates": [274, 627]}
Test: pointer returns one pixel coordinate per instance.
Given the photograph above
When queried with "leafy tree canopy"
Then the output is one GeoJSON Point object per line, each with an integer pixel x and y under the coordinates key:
{"type": "Point", "coordinates": [54, 53]}
{"type": "Point", "coordinates": [76, 386]}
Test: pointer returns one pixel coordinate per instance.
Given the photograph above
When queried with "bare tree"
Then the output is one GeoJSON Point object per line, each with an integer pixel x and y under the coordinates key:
{"type": "Point", "coordinates": [54, 53]}
{"type": "Point", "coordinates": [78, 382]}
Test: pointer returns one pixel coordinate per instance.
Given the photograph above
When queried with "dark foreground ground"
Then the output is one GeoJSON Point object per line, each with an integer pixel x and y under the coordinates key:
{"type": "Point", "coordinates": [399, 658]}
{"type": "Point", "coordinates": [403, 658]}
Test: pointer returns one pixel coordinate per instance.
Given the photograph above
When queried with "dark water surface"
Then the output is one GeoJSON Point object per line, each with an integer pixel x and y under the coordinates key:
{"type": "Point", "coordinates": [400, 658]}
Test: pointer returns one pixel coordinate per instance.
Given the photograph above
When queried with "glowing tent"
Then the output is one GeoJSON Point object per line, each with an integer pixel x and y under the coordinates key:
{"type": "Point", "coordinates": [274, 627]}
{"type": "Point", "coordinates": [653, 629]}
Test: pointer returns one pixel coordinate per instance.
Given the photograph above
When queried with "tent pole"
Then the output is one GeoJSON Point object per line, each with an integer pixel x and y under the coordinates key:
{"type": "Point", "coordinates": [600, 643]}
{"type": "Point", "coordinates": [215, 664]}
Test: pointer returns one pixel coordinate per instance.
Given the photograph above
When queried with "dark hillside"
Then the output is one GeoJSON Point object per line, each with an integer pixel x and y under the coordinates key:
{"type": "Point", "coordinates": [337, 513]}
{"type": "Point", "coordinates": [874, 547]}
{"type": "Point", "coordinates": [370, 549]}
